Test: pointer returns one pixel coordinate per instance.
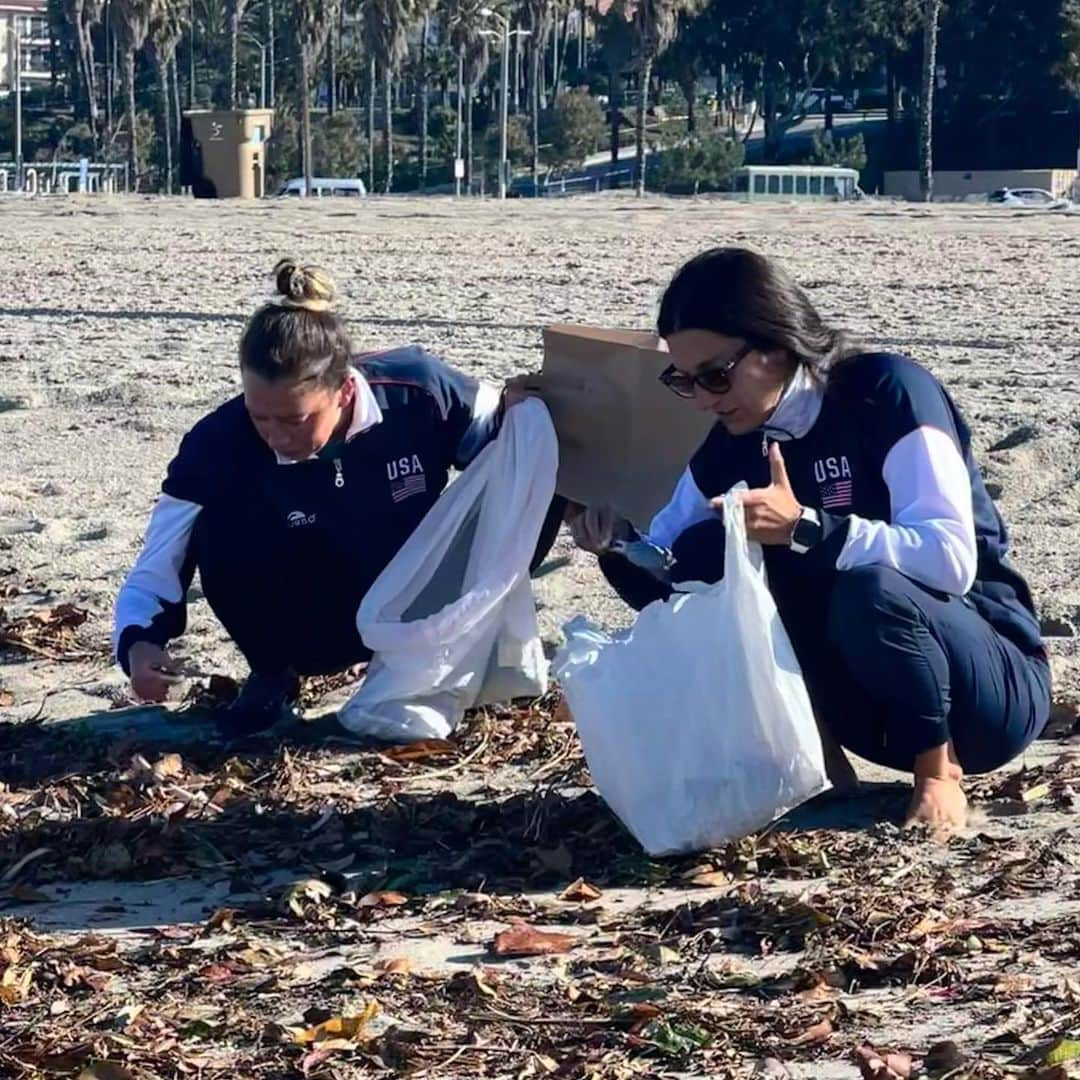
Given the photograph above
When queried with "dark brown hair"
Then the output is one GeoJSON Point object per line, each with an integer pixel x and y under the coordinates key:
{"type": "Point", "coordinates": [298, 336]}
{"type": "Point", "coordinates": [741, 294]}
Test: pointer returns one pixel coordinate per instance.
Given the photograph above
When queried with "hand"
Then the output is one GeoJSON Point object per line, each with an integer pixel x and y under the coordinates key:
{"type": "Point", "coordinates": [153, 671]}
{"type": "Point", "coordinates": [517, 390]}
{"type": "Point", "coordinates": [596, 528]}
{"type": "Point", "coordinates": [771, 512]}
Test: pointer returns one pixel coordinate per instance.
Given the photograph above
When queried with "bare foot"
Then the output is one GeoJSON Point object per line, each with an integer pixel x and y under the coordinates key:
{"type": "Point", "coordinates": [939, 802]}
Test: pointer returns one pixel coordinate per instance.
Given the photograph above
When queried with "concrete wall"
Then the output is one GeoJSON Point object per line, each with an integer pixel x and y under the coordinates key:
{"type": "Point", "coordinates": [956, 185]}
{"type": "Point", "coordinates": [233, 149]}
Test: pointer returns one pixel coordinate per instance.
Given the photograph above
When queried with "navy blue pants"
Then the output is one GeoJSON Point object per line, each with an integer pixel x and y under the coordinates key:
{"type": "Point", "coordinates": [898, 669]}
{"type": "Point", "coordinates": [283, 609]}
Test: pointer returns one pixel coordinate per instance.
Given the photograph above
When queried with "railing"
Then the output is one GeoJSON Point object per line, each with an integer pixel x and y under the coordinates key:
{"type": "Point", "coordinates": [62, 178]}
{"type": "Point", "coordinates": [557, 187]}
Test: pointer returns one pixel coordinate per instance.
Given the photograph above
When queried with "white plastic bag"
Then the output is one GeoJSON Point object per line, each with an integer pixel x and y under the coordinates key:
{"type": "Point", "coordinates": [451, 620]}
{"type": "Point", "coordinates": [695, 722]}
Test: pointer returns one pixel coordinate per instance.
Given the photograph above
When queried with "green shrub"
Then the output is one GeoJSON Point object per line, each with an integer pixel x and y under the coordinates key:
{"type": "Point", "coordinates": [699, 163]}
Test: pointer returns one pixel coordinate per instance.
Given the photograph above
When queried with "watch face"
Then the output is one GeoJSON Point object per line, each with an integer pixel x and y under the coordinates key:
{"type": "Point", "coordinates": [807, 532]}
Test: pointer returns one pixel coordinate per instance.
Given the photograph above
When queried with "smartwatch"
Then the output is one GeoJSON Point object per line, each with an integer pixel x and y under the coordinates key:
{"type": "Point", "coordinates": [807, 531]}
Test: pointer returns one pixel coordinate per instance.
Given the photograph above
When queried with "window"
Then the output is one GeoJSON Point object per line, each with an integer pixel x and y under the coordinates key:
{"type": "Point", "coordinates": [774, 185]}
{"type": "Point", "coordinates": [788, 185]}
{"type": "Point", "coordinates": [830, 185]}
{"type": "Point", "coordinates": [742, 182]}
{"type": "Point", "coordinates": [759, 185]}
{"type": "Point", "coordinates": [801, 185]}
{"type": "Point", "coordinates": [815, 185]}
{"type": "Point", "coordinates": [346, 191]}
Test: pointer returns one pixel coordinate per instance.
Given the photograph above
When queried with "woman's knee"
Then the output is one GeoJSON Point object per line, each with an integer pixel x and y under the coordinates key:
{"type": "Point", "coordinates": [861, 598]}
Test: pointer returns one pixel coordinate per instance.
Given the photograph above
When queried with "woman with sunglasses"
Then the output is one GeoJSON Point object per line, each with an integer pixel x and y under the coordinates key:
{"type": "Point", "coordinates": [887, 558]}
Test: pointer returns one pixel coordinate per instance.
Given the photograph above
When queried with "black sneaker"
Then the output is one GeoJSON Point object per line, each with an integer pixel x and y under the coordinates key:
{"type": "Point", "coordinates": [264, 700]}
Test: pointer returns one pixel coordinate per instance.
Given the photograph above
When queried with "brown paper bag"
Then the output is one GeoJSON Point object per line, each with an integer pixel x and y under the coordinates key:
{"type": "Point", "coordinates": [624, 438]}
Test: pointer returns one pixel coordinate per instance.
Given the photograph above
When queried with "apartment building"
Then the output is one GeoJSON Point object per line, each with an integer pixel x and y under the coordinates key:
{"type": "Point", "coordinates": [30, 20]}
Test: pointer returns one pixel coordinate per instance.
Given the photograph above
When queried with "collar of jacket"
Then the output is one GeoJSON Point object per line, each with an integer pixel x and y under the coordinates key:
{"type": "Point", "coordinates": [798, 408]}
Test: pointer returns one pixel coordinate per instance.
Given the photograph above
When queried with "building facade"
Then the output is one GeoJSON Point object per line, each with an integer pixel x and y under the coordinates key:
{"type": "Point", "coordinates": [29, 19]}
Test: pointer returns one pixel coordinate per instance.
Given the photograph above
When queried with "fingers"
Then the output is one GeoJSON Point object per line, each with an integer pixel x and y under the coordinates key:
{"type": "Point", "coordinates": [777, 468]}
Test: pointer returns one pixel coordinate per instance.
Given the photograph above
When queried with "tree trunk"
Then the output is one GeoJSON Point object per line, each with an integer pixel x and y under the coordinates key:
{"type": "Point", "coordinates": [829, 115]}
{"type": "Point", "coordinates": [642, 108]}
{"type": "Point", "coordinates": [110, 73]}
{"type": "Point", "coordinates": [424, 90]}
{"type": "Point", "coordinates": [129, 86]}
{"type": "Point", "coordinates": [388, 127]}
{"type": "Point", "coordinates": [305, 116]}
{"type": "Point", "coordinates": [469, 88]}
{"type": "Point", "coordinates": [177, 120]}
{"type": "Point", "coordinates": [332, 42]}
{"type": "Point", "coordinates": [234, 49]}
{"type": "Point", "coordinates": [931, 13]}
{"type": "Point", "coordinates": [689, 89]}
{"type": "Point", "coordinates": [615, 109]}
{"type": "Point", "coordinates": [536, 50]}
{"type": "Point", "coordinates": [86, 65]}
{"type": "Point", "coordinates": [371, 124]}
{"type": "Point", "coordinates": [890, 86]}
{"type": "Point", "coordinates": [271, 57]}
{"type": "Point", "coordinates": [165, 110]}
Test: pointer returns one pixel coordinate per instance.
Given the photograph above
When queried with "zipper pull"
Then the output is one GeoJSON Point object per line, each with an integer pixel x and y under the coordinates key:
{"type": "Point", "coordinates": [764, 444]}
{"type": "Point", "coordinates": [339, 476]}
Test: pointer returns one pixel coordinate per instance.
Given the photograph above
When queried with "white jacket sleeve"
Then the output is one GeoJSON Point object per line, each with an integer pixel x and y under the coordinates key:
{"type": "Point", "coordinates": [687, 507]}
{"type": "Point", "coordinates": [154, 582]}
{"type": "Point", "coordinates": [931, 538]}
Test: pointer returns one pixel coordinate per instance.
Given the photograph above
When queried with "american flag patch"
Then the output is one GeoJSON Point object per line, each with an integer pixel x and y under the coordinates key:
{"type": "Point", "coordinates": [836, 494]}
{"type": "Point", "coordinates": [416, 484]}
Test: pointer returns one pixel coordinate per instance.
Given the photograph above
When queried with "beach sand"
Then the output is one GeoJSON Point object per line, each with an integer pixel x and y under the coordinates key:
{"type": "Point", "coordinates": [119, 321]}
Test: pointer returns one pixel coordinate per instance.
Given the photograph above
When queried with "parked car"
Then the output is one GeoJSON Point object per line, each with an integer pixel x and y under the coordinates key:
{"type": "Point", "coordinates": [326, 187]}
{"type": "Point", "coordinates": [1028, 198]}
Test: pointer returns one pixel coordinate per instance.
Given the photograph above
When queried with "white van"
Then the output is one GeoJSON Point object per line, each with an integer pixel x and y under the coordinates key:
{"type": "Point", "coordinates": [326, 187]}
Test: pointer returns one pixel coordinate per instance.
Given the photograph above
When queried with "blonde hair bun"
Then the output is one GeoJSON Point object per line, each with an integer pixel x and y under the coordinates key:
{"type": "Point", "coordinates": [306, 287]}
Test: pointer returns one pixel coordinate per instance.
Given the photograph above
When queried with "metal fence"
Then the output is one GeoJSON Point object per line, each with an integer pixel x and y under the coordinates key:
{"type": "Point", "coordinates": [63, 178]}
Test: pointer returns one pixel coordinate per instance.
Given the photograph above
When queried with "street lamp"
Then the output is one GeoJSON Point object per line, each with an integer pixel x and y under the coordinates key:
{"type": "Point", "coordinates": [14, 29]}
{"type": "Point", "coordinates": [504, 23]}
{"type": "Point", "coordinates": [247, 35]}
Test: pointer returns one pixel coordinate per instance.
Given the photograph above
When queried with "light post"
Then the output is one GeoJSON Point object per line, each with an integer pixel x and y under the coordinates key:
{"type": "Point", "coordinates": [18, 103]}
{"type": "Point", "coordinates": [504, 93]}
{"type": "Point", "coordinates": [262, 66]}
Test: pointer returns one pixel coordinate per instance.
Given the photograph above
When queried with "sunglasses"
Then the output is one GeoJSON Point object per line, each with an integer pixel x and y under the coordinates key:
{"type": "Point", "coordinates": [714, 380]}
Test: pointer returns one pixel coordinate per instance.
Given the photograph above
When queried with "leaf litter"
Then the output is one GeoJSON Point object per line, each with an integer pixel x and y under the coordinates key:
{"type": "Point", "coordinates": [791, 946]}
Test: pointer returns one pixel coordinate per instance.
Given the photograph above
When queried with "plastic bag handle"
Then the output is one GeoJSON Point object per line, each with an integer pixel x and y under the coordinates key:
{"type": "Point", "coordinates": [740, 555]}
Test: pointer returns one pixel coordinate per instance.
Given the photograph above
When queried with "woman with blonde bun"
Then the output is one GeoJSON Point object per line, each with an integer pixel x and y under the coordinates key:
{"type": "Point", "coordinates": [292, 497]}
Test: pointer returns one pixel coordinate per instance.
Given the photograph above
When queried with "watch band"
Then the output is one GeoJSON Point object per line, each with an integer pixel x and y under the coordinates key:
{"type": "Point", "coordinates": [807, 531]}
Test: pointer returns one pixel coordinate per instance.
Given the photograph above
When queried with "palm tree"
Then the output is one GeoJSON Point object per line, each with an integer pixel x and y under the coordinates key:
{"type": "Point", "coordinates": [167, 25]}
{"type": "Point", "coordinates": [467, 25]}
{"type": "Point", "coordinates": [314, 18]}
{"type": "Point", "coordinates": [539, 14]}
{"type": "Point", "coordinates": [236, 10]}
{"type": "Point", "coordinates": [615, 37]}
{"type": "Point", "coordinates": [386, 26]}
{"type": "Point", "coordinates": [82, 17]}
{"type": "Point", "coordinates": [931, 14]}
{"type": "Point", "coordinates": [655, 24]}
{"type": "Point", "coordinates": [133, 17]}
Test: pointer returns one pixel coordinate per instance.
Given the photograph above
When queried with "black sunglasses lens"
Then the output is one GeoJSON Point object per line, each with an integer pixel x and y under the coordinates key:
{"type": "Point", "coordinates": [678, 382]}
{"type": "Point", "coordinates": [715, 382]}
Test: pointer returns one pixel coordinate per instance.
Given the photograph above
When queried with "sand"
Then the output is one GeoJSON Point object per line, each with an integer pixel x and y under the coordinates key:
{"type": "Point", "coordinates": [119, 321]}
{"type": "Point", "coordinates": [120, 318]}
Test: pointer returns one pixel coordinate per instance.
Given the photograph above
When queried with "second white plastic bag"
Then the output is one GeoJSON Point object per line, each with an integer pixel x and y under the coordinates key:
{"type": "Point", "coordinates": [695, 722]}
{"type": "Point", "coordinates": [451, 620]}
